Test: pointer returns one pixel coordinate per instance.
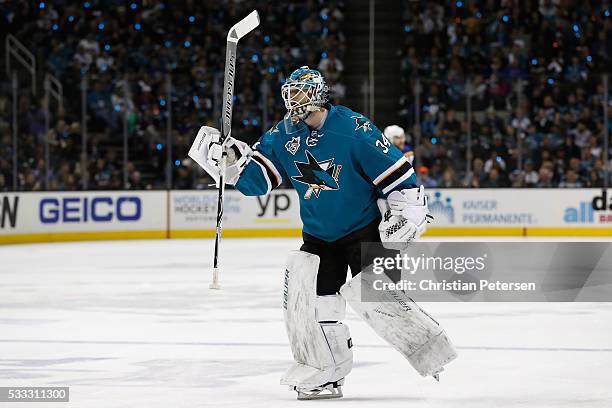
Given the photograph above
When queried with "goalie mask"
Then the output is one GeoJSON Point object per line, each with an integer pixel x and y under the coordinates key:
{"type": "Point", "coordinates": [304, 91]}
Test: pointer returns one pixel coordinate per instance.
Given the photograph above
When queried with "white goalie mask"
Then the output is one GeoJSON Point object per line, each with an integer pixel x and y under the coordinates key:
{"type": "Point", "coordinates": [304, 91]}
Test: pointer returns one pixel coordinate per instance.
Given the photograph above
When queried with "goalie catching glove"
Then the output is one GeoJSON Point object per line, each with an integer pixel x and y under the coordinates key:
{"type": "Point", "coordinates": [405, 217]}
{"type": "Point", "coordinates": [207, 150]}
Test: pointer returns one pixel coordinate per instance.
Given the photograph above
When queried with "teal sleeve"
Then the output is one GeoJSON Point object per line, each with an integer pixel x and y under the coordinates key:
{"type": "Point", "coordinates": [264, 172]}
{"type": "Point", "coordinates": [382, 162]}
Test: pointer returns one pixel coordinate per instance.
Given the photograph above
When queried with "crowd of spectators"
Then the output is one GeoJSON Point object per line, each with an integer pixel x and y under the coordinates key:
{"type": "Point", "coordinates": [132, 53]}
{"type": "Point", "coordinates": [534, 74]}
{"type": "Point", "coordinates": [533, 70]}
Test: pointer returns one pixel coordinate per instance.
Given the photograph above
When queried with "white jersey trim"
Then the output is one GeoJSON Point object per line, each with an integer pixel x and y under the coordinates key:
{"type": "Point", "coordinates": [391, 169]}
{"type": "Point", "coordinates": [265, 174]}
{"type": "Point", "coordinates": [271, 166]}
{"type": "Point", "coordinates": [391, 186]}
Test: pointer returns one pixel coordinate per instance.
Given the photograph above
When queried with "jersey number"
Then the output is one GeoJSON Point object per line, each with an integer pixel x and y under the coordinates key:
{"type": "Point", "coordinates": [384, 145]}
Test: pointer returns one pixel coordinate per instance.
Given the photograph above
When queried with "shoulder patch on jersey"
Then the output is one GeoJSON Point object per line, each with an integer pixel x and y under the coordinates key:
{"type": "Point", "coordinates": [318, 175]}
{"type": "Point", "coordinates": [362, 123]}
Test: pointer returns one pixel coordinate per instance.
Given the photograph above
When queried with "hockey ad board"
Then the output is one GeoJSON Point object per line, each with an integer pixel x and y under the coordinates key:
{"type": "Point", "coordinates": [61, 216]}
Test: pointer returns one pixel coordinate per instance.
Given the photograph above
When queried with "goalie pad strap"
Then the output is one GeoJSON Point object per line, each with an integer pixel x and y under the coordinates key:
{"type": "Point", "coordinates": [330, 308]}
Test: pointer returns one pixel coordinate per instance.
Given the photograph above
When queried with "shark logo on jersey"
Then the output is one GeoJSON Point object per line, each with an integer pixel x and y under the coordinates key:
{"type": "Point", "coordinates": [274, 129]}
{"type": "Point", "coordinates": [318, 175]}
{"type": "Point", "coordinates": [293, 145]}
{"type": "Point", "coordinates": [313, 138]}
{"type": "Point", "coordinates": [362, 123]}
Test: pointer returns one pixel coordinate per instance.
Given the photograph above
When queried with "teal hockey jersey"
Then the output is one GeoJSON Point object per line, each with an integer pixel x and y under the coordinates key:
{"type": "Point", "coordinates": [339, 171]}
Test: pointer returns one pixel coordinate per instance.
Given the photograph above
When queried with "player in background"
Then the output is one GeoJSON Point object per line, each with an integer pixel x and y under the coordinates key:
{"type": "Point", "coordinates": [397, 136]}
{"type": "Point", "coordinates": [354, 186]}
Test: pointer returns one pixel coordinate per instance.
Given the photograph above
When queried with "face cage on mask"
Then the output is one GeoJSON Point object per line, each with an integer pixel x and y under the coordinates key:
{"type": "Point", "coordinates": [302, 100]}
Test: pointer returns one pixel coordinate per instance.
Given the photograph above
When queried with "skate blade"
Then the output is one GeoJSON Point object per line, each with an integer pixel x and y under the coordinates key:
{"type": "Point", "coordinates": [320, 394]}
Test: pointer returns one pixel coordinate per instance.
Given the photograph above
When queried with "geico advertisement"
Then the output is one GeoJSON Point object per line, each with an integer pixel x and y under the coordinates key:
{"type": "Point", "coordinates": [89, 211]}
{"type": "Point", "coordinates": [520, 207]}
{"type": "Point", "coordinates": [198, 210]}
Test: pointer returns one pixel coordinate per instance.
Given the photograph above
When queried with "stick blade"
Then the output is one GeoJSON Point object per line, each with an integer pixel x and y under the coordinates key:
{"type": "Point", "coordinates": [244, 26]}
{"type": "Point", "coordinates": [215, 280]}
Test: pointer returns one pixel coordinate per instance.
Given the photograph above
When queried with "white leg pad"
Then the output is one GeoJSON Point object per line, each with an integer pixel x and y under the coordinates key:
{"type": "Point", "coordinates": [321, 346]}
{"type": "Point", "coordinates": [403, 324]}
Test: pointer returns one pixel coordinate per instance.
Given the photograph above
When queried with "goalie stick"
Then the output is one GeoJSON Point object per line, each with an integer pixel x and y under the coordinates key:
{"type": "Point", "coordinates": [239, 30]}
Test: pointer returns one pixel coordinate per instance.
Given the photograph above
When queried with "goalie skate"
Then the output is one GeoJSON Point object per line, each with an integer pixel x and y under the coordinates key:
{"type": "Point", "coordinates": [325, 391]}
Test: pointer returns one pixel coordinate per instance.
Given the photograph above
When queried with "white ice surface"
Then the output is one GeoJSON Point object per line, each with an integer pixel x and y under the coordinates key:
{"type": "Point", "coordinates": [133, 324]}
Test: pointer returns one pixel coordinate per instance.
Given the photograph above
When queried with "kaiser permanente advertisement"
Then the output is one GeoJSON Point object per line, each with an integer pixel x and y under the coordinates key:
{"type": "Point", "coordinates": [557, 211]}
{"type": "Point", "coordinates": [35, 217]}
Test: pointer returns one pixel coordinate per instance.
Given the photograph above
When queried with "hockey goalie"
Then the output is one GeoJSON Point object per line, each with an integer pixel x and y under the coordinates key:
{"type": "Point", "coordinates": [354, 187]}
